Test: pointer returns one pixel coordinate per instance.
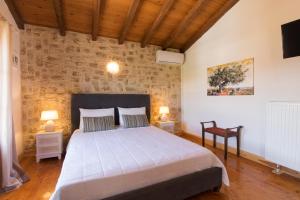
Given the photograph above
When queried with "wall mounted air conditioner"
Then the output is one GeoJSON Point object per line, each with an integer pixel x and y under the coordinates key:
{"type": "Point", "coordinates": [168, 57]}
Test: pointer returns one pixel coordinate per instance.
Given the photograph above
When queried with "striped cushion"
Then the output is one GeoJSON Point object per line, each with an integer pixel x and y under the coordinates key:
{"type": "Point", "coordinates": [132, 121]}
{"type": "Point", "coordinates": [91, 124]}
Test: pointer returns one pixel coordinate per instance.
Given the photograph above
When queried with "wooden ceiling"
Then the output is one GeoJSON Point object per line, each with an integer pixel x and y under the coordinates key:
{"type": "Point", "coordinates": [168, 23]}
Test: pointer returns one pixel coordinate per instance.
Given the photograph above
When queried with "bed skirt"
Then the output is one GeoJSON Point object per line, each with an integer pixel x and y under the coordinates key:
{"type": "Point", "coordinates": [178, 188]}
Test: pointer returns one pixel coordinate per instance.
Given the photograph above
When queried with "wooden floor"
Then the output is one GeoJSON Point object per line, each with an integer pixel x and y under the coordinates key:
{"type": "Point", "coordinates": [249, 181]}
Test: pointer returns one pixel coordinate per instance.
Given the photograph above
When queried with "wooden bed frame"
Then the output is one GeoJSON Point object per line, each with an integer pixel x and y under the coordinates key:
{"type": "Point", "coordinates": [175, 189]}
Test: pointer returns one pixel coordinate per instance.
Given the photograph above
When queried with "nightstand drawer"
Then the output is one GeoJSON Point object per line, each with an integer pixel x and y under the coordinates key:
{"type": "Point", "coordinates": [168, 126]}
{"type": "Point", "coordinates": [48, 139]}
{"type": "Point", "coordinates": [48, 149]}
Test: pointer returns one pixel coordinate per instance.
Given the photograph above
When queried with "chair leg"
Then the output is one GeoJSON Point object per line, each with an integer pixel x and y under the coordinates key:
{"type": "Point", "coordinates": [238, 145]}
{"type": "Point", "coordinates": [225, 147]}
{"type": "Point", "coordinates": [215, 142]}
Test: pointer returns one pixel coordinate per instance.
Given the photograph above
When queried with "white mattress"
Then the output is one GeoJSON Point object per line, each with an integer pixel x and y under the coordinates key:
{"type": "Point", "coordinates": [102, 164]}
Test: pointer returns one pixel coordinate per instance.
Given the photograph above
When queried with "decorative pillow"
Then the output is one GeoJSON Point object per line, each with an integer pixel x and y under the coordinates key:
{"type": "Point", "coordinates": [132, 121]}
{"type": "Point", "coordinates": [92, 124]}
{"type": "Point", "coordinates": [94, 113]}
{"type": "Point", "coordinates": [130, 111]}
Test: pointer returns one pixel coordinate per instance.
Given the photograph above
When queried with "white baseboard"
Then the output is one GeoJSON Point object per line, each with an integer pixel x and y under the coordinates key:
{"type": "Point", "coordinates": [247, 155]}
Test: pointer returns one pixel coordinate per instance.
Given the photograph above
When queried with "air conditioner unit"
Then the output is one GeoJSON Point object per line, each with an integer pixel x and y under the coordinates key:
{"type": "Point", "coordinates": [168, 57]}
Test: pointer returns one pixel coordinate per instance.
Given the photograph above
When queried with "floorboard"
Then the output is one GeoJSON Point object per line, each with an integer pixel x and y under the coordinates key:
{"type": "Point", "coordinates": [248, 181]}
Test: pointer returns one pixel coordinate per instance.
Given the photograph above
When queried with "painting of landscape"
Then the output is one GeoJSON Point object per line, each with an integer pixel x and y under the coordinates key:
{"type": "Point", "coordinates": [235, 78]}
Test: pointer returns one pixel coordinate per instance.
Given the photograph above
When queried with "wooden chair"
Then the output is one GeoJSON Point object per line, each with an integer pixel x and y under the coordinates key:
{"type": "Point", "coordinates": [226, 133]}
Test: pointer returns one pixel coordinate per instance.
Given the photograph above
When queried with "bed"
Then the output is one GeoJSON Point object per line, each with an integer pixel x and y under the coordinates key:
{"type": "Point", "coordinates": [135, 163]}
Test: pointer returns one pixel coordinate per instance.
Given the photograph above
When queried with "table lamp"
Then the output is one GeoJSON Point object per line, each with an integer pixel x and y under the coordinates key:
{"type": "Point", "coordinates": [49, 116]}
{"type": "Point", "coordinates": [164, 111]}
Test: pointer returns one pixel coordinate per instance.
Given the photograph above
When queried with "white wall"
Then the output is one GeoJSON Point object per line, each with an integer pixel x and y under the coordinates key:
{"type": "Point", "coordinates": [16, 78]}
{"type": "Point", "coordinates": [252, 28]}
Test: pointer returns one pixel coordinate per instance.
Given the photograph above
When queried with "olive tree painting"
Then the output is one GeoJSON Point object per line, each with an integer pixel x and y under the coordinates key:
{"type": "Point", "coordinates": [234, 78]}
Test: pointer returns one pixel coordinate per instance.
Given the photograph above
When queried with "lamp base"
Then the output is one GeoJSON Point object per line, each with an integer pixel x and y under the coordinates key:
{"type": "Point", "coordinates": [163, 118]}
{"type": "Point", "coordinates": [49, 127]}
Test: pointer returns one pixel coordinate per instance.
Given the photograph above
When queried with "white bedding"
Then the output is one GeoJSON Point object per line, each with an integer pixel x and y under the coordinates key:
{"type": "Point", "coordinates": [102, 164]}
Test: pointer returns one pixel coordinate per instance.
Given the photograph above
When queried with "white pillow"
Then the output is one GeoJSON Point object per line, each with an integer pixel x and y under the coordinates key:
{"type": "Point", "coordinates": [130, 111]}
{"type": "Point", "coordinates": [95, 113]}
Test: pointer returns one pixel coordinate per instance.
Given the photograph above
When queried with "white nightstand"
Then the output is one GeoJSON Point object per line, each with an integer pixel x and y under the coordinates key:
{"type": "Point", "coordinates": [167, 126]}
{"type": "Point", "coordinates": [48, 144]}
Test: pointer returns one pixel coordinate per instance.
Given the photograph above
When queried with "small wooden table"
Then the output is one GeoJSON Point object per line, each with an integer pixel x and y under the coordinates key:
{"type": "Point", "coordinates": [226, 133]}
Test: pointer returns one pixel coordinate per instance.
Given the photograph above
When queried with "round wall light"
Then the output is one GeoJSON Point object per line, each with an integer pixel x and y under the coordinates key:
{"type": "Point", "coordinates": [112, 67]}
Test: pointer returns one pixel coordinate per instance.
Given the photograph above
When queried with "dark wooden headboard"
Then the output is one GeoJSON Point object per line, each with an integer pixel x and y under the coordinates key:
{"type": "Point", "coordinates": [96, 101]}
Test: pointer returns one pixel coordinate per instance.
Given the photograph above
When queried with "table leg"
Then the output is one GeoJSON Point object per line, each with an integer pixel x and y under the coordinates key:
{"type": "Point", "coordinates": [215, 142]}
{"type": "Point", "coordinates": [238, 145]}
{"type": "Point", "coordinates": [203, 138]}
{"type": "Point", "coordinates": [225, 147]}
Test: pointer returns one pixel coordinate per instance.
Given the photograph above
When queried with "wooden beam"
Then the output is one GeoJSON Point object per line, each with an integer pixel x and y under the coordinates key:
{"type": "Point", "coordinates": [162, 14]}
{"type": "Point", "coordinates": [98, 10]}
{"type": "Point", "coordinates": [130, 18]}
{"type": "Point", "coordinates": [193, 13]}
{"type": "Point", "coordinates": [15, 13]}
{"type": "Point", "coordinates": [209, 23]}
{"type": "Point", "coordinates": [58, 7]}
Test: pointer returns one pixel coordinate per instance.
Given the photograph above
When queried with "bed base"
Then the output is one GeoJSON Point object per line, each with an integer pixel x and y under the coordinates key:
{"type": "Point", "coordinates": [178, 188]}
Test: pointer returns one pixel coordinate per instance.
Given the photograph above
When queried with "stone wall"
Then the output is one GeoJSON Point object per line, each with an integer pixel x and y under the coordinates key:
{"type": "Point", "coordinates": [53, 67]}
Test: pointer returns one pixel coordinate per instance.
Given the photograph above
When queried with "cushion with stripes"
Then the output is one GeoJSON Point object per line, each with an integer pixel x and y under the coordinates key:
{"type": "Point", "coordinates": [92, 124]}
{"type": "Point", "coordinates": [132, 121]}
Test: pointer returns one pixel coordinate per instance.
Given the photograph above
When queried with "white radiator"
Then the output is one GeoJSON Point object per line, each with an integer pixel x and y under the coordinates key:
{"type": "Point", "coordinates": [283, 134]}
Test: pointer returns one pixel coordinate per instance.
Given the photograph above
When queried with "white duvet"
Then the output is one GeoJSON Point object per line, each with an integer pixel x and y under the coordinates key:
{"type": "Point", "coordinates": [102, 164]}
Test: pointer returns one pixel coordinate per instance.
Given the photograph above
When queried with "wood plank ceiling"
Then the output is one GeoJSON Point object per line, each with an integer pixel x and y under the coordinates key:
{"type": "Point", "coordinates": [168, 23]}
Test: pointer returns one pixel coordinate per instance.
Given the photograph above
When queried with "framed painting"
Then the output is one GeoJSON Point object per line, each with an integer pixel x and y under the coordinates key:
{"type": "Point", "coordinates": [235, 78]}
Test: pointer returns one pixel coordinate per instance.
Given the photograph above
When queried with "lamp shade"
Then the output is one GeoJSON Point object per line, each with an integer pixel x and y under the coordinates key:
{"type": "Point", "coordinates": [49, 115]}
{"type": "Point", "coordinates": [164, 110]}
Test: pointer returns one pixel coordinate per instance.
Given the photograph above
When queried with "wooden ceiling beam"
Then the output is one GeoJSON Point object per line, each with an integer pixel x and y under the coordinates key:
{"type": "Point", "coordinates": [159, 19]}
{"type": "Point", "coordinates": [193, 13]}
{"type": "Point", "coordinates": [15, 13]}
{"type": "Point", "coordinates": [129, 20]}
{"type": "Point", "coordinates": [209, 23]}
{"type": "Point", "coordinates": [58, 7]}
{"type": "Point", "coordinates": [98, 10]}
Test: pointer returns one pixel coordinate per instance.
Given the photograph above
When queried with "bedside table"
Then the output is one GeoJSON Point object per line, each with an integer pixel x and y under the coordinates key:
{"type": "Point", "coordinates": [168, 126]}
{"type": "Point", "coordinates": [48, 145]}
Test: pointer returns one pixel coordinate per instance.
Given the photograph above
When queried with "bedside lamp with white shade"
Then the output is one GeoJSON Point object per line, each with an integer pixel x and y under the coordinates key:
{"type": "Point", "coordinates": [49, 116]}
{"type": "Point", "coordinates": [164, 111]}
